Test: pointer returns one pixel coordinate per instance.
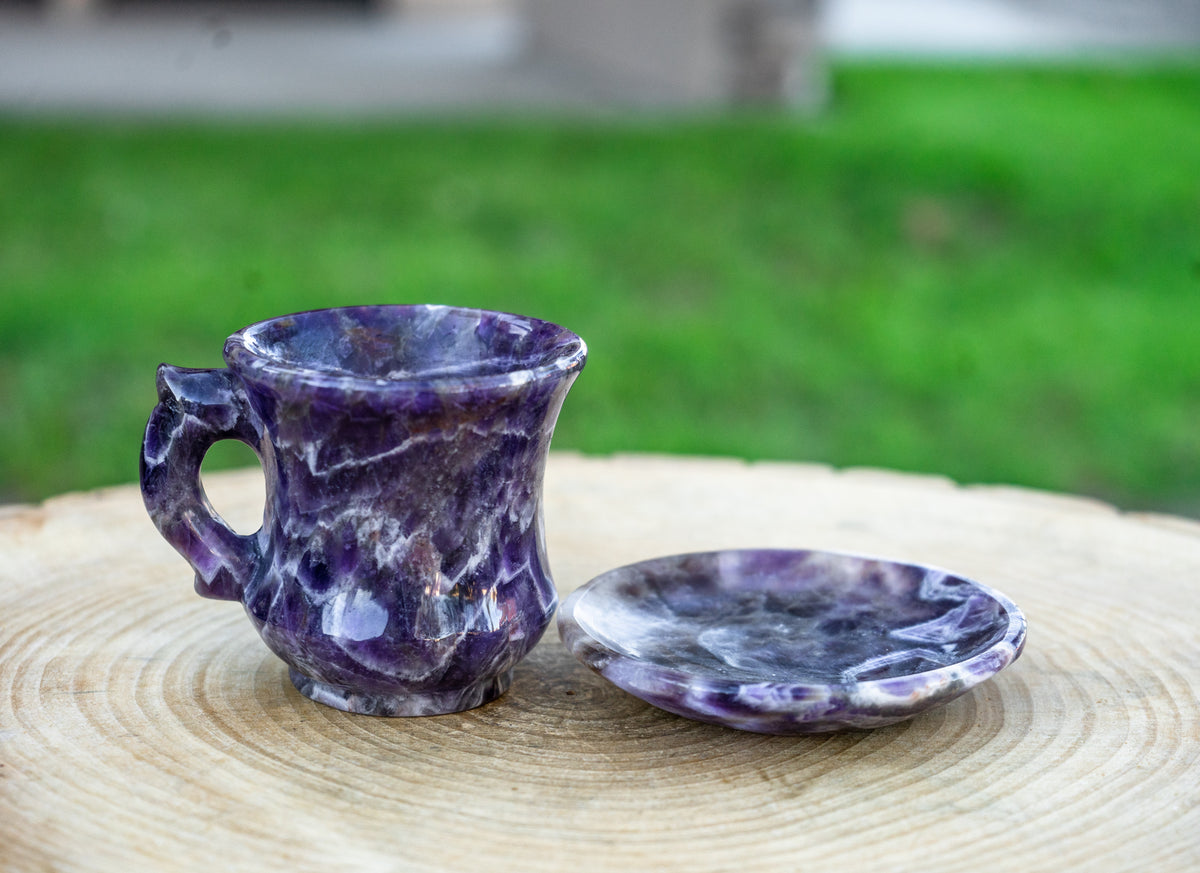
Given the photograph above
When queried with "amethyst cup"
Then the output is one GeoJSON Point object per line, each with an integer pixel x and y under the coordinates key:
{"type": "Point", "coordinates": [401, 566]}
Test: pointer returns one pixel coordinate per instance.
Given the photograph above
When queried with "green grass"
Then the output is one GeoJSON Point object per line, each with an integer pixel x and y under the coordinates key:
{"type": "Point", "coordinates": [991, 273]}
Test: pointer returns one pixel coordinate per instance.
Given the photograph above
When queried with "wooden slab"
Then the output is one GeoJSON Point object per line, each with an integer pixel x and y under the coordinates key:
{"type": "Point", "coordinates": [142, 728]}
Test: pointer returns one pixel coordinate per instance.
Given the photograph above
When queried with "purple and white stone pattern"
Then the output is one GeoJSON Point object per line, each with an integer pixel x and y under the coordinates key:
{"type": "Point", "coordinates": [790, 642]}
{"type": "Point", "coordinates": [401, 567]}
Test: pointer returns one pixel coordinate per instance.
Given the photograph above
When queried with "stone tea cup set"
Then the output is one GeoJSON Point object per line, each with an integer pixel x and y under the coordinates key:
{"type": "Point", "coordinates": [401, 566]}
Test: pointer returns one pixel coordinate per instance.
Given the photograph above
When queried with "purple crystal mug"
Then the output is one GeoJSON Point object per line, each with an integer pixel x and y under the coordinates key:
{"type": "Point", "coordinates": [401, 565]}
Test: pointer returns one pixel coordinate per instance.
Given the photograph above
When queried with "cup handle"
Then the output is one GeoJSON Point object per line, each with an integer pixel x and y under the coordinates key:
{"type": "Point", "coordinates": [196, 408]}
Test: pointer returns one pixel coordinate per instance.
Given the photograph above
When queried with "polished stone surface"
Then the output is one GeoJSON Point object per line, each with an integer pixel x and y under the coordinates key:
{"type": "Point", "coordinates": [785, 642]}
{"type": "Point", "coordinates": [400, 568]}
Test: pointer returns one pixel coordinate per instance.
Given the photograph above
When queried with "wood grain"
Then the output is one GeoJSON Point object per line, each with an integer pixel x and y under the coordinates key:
{"type": "Point", "coordinates": [142, 728]}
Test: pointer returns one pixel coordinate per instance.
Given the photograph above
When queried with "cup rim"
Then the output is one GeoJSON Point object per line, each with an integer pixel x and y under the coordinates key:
{"type": "Point", "coordinates": [244, 359]}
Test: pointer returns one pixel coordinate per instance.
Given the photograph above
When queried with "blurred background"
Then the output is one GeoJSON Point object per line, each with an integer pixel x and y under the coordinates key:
{"type": "Point", "coordinates": [949, 236]}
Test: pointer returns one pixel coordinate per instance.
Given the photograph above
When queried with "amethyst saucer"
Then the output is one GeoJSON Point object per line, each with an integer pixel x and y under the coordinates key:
{"type": "Point", "coordinates": [791, 642]}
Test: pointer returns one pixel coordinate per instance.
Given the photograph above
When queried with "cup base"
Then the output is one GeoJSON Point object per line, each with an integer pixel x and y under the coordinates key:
{"type": "Point", "coordinates": [395, 705]}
